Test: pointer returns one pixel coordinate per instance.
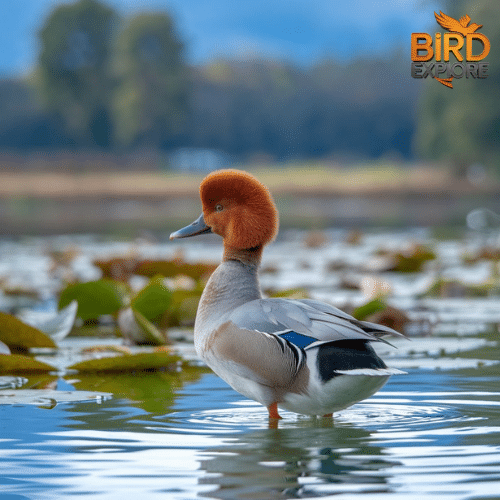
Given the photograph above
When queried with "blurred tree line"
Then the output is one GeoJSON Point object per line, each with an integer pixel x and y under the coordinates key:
{"type": "Point", "coordinates": [107, 83]}
{"type": "Point", "coordinates": [462, 126]}
{"type": "Point", "coordinates": [118, 84]}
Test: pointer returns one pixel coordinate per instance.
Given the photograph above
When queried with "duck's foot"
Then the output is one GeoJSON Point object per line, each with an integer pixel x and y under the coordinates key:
{"type": "Point", "coordinates": [273, 411]}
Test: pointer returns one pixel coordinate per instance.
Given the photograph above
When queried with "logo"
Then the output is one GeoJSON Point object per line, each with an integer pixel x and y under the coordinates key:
{"type": "Point", "coordinates": [460, 35]}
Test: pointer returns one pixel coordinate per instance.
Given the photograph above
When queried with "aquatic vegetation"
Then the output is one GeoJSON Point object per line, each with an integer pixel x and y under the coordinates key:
{"type": "Point", "coordinates": [378, 311]}
{"type": "Point", "coordinates": [448, 288]}
{"type": "Point", "coordinates": [20, 337]}
{"type": "Point", "coordinates": [15, 364]}
{"type": "Point", "coordinates": [146, 361]}
{"type": "Point", "coordinates": [95, 298]}
{"type": "Point", "coordinates": [410, 260]}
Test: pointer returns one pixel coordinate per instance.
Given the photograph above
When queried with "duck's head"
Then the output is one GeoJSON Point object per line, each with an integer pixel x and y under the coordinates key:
{"type": "Point", "coordinates": [237, 207]}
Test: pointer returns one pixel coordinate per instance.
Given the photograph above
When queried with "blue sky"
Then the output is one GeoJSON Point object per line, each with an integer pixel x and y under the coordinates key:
{"type": "Point", "coordinates": [298, 30]}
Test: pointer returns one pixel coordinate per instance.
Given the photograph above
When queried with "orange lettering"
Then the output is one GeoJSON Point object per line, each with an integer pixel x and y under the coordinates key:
{"type": "Point", "coordinates": [486, 46]}
{"type": "Point", "coordinates": [453, 48]}
{"type": "Point", "coordinates": [416, 46]}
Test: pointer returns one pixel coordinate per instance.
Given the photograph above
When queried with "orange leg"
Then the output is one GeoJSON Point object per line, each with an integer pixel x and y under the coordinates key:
{"type": "Point", "coordinates": [328, 415]}
{"type": "Point", "coordinates": [273, 411]}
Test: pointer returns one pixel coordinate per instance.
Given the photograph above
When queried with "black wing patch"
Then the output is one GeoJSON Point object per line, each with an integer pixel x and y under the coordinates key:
{"type": "Point", "coordinates": [346, 355]}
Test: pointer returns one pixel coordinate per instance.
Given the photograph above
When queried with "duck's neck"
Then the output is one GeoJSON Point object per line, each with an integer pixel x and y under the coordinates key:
{"type": "Point", "coordinates": [233, 283]}
{"type": "Point", "coordinates": [247, 256]}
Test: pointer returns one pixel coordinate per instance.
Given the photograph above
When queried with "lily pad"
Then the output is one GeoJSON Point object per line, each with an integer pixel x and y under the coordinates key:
{"type": "Point", "coordinates": [15, 364]}
{"type": "Point", "coordinates": [362, 312]}
{"type": "Point", "coordinates": [20, 336]}
{"type": "Point", "coordinates": [48, 398]}
{"type": "Point", "coordinates": [413, 260]}
{"type": "Point", "coordinates": [149, 361]}
{"type": "Point", "coordinates": [154, 299]}
{"type": "Point", "coordinates": [170, 268]}
{"type": "Point", "coordinates": [95, 298]}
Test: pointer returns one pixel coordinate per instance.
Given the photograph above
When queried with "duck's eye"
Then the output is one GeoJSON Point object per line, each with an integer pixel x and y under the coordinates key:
{"type": "Point", "coordinates": [218, 208]}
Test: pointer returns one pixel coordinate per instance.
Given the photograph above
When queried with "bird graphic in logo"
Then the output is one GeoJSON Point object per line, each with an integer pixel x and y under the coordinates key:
{"type": "Point", "coordinates": [461, 26]}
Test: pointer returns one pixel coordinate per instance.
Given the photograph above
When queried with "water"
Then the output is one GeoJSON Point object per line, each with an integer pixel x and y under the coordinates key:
{"type": "Point", "coordinates": [425, 434]}
{"type": "Point", "coordinates": [432, 433]}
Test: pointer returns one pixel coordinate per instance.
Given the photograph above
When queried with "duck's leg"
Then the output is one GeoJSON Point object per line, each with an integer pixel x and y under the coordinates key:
{"type": "Point", "coordinates": [273, 411]}
{"type": "Point", "coordinates": [328, 415]}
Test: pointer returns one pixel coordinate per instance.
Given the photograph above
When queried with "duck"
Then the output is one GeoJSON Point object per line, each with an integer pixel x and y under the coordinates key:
{"type": "Point", "coordinates": [300, 355]}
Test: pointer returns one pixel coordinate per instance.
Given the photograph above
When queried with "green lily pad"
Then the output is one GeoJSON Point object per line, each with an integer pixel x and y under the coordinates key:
{"type": "Point", "coordinates": [149, 361]}
{"type": "Point", "coordinates": [20, 336]}
{"type": "Point", "coordinates": [95, 298]}
{"type": "Point", "coordinates": [15, 364]}
{"type": "Point", "coordinates": [362, 312]}
{"type": "Point", "coordinates": [154, 299]}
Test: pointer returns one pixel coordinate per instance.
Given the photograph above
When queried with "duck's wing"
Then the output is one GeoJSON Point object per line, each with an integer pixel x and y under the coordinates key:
{"type": "Point", "coordinates": [264, 341]}
{"type": "Point", "coordinates": [305, 323]}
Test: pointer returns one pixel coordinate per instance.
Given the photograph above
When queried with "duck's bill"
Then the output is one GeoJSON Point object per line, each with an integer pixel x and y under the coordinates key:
{"type": "Point", "coordinates": [196, 227]}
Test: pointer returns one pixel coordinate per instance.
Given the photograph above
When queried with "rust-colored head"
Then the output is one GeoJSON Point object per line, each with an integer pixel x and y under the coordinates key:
{"type": "Point", "coordinates": [239, 208]}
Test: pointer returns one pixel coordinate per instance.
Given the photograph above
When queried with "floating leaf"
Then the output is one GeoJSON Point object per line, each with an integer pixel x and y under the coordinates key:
{"type": "Point", "coordinates": [17, 364]}
{"type": "Point", "coordinates": [290, 293]}
{"type": "Point", "coordinates": [413, 260]}
{"type": "Point", "coordinates": [130, 362]}
{"type": "Point", "coordinates": [95, 298]}
{"type": "Point", "coordinates": [48, 398]}
{"type": "Point", "coordinates": [59, 325]}
{"type": "Point", "coordinates": [20, 336]}
{"type": "Point", "coordinates": [362, 312]}
{"type": "Point", "coordinates": [170, 268]}
{"type": "Point", "coordinates": [154, 299]}
{"type": "Point", "coordinates": [446, 288]}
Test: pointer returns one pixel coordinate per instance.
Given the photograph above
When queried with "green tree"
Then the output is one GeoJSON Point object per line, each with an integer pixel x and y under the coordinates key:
{"type": "Point", "coordinates": [462, 125]}
{"type": "Point", "coordinates": [150, 101]}
{"type": "Point", "coordinates": [74, 71]}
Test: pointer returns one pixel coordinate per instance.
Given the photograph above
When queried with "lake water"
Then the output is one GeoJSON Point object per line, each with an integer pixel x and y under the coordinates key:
{"type": "Point", "coordinates": [432, 433]}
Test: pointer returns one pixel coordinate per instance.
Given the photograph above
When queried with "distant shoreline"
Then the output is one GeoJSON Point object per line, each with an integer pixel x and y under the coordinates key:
{"type": "Point", "coordinates": [125, 202]}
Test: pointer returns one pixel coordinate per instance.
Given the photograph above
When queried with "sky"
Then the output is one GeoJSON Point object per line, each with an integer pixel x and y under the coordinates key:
{"type": "Point", "coordinates": [301, 31]}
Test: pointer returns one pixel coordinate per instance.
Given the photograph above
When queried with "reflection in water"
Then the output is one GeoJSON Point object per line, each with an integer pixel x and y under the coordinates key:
{"type": "Point", "coordinates": [302, 461]}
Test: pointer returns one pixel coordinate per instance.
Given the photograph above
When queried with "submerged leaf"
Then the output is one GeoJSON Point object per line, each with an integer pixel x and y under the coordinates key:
{"type": "Point", "coordinates": [17, 364]}
{"type": "Point", "coordinates": [20, 336]}
{"type": "Point", "coordinates": [94, 298]}
{"type": "Point", "coordinates": [134, 362]}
